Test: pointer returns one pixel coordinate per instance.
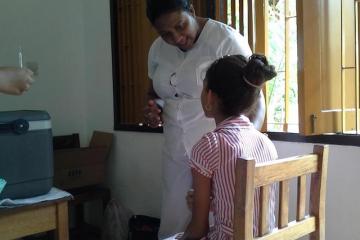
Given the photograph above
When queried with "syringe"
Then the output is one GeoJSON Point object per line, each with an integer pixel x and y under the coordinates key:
{"type": "Point", "coordinates": [20, 57]}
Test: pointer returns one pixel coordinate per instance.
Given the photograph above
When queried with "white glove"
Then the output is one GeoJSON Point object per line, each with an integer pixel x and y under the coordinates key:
{"type": "Point", "coordinates": [15, 80]}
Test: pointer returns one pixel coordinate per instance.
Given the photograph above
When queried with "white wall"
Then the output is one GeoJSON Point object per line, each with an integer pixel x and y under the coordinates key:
{"type": "Point", "coordinates": [51, 33]}
{"type": "Point", "coordinates": [135, 171]}
{"type": "Point", "coordinates": [98, 63]}
{"type": "Point", "coordinates": [70, 40]}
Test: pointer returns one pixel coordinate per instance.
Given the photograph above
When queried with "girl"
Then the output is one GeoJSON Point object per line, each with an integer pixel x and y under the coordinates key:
{"type": "Point", "coordinates": [231, 88]}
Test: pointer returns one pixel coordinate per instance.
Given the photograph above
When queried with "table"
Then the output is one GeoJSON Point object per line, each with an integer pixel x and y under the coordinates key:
{"type": "Point", "coordinates": [36, 218]}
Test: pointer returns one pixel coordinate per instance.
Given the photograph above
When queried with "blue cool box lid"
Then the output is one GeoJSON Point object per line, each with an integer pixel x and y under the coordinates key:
{"type": "Point", "coordinates": [30, 115]}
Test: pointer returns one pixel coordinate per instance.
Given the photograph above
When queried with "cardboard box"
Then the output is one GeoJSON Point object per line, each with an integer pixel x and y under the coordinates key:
{"type": "Point", "coordinates": [79, 167]}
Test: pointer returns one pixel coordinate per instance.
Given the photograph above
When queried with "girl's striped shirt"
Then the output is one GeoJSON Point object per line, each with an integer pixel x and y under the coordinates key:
{"type": "Point", "coordinates": [214, 156]}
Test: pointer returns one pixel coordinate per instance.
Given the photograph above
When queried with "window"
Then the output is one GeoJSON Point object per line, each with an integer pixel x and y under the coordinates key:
{"type": "Point", "coordinates": [282, 91]}
{"type": "Point", "coordinates": [132, 37]}
{"type": "Point", "coordinates": [313, 44]}
{"type": "Point", "coordinates": [254, 19]}
{"type": "Point", "coordinates": [328, 64]}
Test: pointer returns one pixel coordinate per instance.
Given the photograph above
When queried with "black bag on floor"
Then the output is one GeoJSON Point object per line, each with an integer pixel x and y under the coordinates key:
{"type": "Point", "coordinates": [143, 227]}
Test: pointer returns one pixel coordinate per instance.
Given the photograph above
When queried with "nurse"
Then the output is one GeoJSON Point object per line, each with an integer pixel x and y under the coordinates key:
{"type": "Point", "coordinates": [177, 63]}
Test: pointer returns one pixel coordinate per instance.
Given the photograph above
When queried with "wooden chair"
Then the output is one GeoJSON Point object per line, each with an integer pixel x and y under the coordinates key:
{"type": "Point", "coordinates": [250, 176]}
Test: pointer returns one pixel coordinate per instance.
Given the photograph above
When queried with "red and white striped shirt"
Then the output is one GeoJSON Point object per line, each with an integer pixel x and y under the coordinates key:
{"type": "Point", "coordinates": [215, 155]}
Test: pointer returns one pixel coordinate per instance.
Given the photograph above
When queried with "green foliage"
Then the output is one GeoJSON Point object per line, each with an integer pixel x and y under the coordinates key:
{"type": "Point", "coordinates": [276, 87]}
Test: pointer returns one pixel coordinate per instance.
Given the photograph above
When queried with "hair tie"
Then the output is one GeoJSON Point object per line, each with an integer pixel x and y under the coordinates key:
{"type": "Point", "coordinates": [251, 84]}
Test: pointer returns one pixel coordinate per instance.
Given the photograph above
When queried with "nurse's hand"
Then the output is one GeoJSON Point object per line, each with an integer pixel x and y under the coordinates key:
{"type": "Point", "coordinates": [14, 80]}
{"type": "Point", "coordinates": [152, 114]}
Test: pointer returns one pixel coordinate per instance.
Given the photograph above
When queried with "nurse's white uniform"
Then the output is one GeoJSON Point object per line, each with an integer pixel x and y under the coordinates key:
{"type": "Point", "coordinates": [178, 78]}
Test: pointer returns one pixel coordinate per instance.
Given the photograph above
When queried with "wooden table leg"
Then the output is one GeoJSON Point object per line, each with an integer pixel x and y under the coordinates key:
{"type": "Point", "coordinates": [62, 225]}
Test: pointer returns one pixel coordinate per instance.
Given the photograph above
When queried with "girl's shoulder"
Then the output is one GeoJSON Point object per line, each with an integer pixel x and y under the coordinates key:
{"type": "Point", "coordinates": [211, 139]}
{"type": "Point", "coordinates": [268, 144]}
{"type": "Point", "coordinates": [208, 143]}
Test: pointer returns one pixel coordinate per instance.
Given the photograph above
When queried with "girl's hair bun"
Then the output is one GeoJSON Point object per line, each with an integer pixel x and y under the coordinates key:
{"type": "Point", "coordinates": [258, 69]}
{"type": "Point", "coordinates": [237, 80]}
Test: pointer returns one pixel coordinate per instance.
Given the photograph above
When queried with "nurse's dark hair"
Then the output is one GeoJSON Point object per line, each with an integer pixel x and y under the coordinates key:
{"type": "Point", "coordinates": [156, 8]}
{"type": "Point", "coordinates": [237, 81]}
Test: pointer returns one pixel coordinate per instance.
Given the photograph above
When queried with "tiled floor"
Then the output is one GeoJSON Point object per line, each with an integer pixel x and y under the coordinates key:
{"type": "Point", "coordinates": [86, 233]}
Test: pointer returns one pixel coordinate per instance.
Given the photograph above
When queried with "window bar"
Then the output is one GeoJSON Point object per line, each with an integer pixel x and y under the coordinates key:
{"type": "Point", "coordinates": [303, 128]}
{"type": "Point", "coordinates": [233, 14]}
{"type": "Point", "coordinates": [343, 74]}
{"type": "Point", "coordinates": [357, 25]}
{"type": "Point", "coordinates": [127, 53]}
{"type": "Point", "coordinates": [134, 84]}
{"type": "Point", "coordinates": [218, 10]}
{"type": "Point", "coordinates": [122, 53]}
{"type": "Point", "coordinates": [287, 66]}
{"type": "Point", "coordinates": [242, 16]}
{"type": "Point", "coordinates": [261, 10]}
{"type": "Point", "coordinates": [129, 26]}
{"type": "Point", "coordinates": [250, 27]}
{"type": "Point", "coordinates": [225, 11]}
{"type": "Point", "coordinates": [199, 8]}
{"type": "Point", "coordinates": [132, 26]}
{"type": "Point", "coordinates": [261, 26]}
{"type": "Point", "coordinates": [318, 117]}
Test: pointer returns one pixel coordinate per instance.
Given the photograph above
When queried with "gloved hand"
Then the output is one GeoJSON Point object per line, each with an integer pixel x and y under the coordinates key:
{"type": "Point", "coordinates": [152, 114]}
{"type": "Point", "coordinates": [15, 80]}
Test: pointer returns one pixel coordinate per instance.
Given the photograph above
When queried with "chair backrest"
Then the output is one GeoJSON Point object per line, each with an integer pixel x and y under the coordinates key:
{"type": "Point", "coordinates": [250, 176]}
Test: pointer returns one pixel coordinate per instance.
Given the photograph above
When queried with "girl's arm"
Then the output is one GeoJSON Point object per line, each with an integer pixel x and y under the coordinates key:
{"type": "Point", "coordinates": [199, 224]}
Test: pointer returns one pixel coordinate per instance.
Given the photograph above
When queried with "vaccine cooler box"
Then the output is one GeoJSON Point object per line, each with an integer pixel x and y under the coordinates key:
{"type": "Point", "coordinates": [26, 154]}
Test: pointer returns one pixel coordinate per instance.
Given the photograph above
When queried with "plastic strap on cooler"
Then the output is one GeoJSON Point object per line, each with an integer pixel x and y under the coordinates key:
{"type": "Point", "coordinates": [19, 126]}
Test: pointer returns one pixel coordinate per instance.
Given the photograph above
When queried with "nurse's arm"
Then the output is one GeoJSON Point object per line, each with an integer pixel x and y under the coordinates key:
{"type": "Point", "coordinates": [151, 94]}
{"type": "Point", "coordinates": [257, 115]}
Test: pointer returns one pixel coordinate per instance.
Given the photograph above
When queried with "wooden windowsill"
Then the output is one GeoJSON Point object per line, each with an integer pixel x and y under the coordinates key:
{"type": "Point", "coordinates": [137, 128]}
{"type": "Point", "coordinates": [336, 139]}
